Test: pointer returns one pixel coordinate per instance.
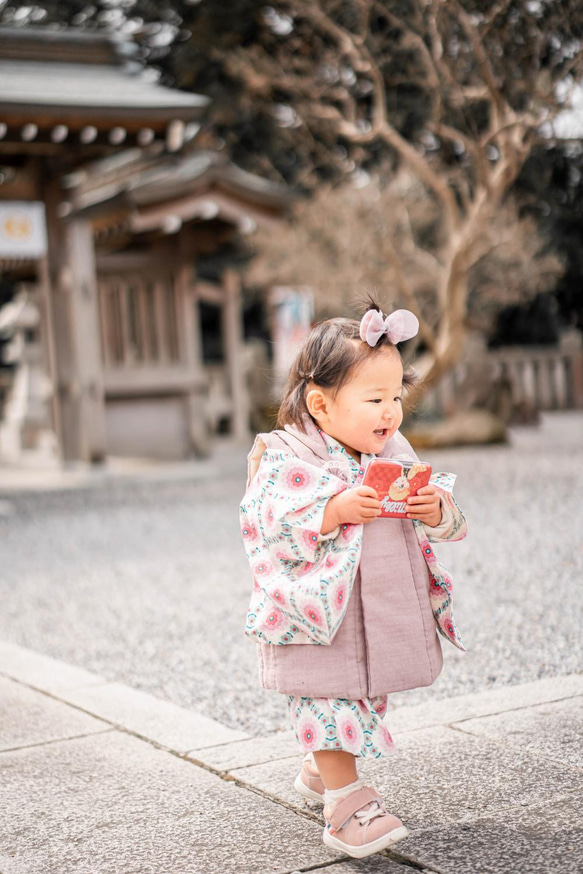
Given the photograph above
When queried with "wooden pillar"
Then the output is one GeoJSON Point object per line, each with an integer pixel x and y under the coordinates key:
{"type": "Point", "coordinates": [78, 364]}
{"type": "Point", "coordinates": [191, 348]}
{"type": "Point", "coordinates": [233, 338]}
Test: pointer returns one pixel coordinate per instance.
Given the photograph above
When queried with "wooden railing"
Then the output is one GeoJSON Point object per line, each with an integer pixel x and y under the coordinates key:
{"type": "Point", "coordinates": [549, 378]}
{"type": "Point", "coordinates": [540, 377]}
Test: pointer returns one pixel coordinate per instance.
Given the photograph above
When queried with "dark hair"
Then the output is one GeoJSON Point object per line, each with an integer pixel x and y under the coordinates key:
{"type": "Point", "coordinates": [328, 358]}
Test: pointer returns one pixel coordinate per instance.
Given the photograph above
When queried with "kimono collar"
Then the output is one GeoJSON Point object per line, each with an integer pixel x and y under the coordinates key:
{"type": "Point", "coordinates": [312, 438]}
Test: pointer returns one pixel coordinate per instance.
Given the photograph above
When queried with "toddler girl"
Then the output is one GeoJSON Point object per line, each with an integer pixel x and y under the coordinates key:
{"type": "Point", "coordinates": [345, 606]}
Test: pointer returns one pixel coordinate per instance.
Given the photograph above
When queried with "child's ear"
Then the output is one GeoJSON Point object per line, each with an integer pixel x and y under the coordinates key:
{"type": "Point", "coordinates": [317, 404]}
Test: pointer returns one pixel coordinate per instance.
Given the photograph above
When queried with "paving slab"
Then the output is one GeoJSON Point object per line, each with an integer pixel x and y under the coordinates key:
{"type": "Point", "coordinates": [28, 717]}
{"type": "Point", "coordinates": [546, 839]}
{"type": "Point", "coordinates": [449, 710]}
{"type": "Point", "coordinates": [254, 751]}
{"type": "Point", "coordinates": [41, 671]}
{"type": "Point", "coordinates": [160, 721]}
{"type": "Point", "coordinates": [113, 804]}
{"type": "Point", "coordinates": [378, 864]}
{"type": "Point", "coordinates": [439, 775]}
{"type": "Point", "coordinates": [553, 730]}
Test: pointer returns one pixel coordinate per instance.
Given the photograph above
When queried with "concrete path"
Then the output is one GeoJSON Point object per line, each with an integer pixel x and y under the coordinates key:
{"type": "Point", "coordinates": [97, 778]}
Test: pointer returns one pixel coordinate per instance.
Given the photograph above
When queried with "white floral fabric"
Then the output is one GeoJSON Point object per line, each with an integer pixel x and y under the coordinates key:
{"type": "Point", "coordinates": [355, 727]}
{"type": "Point", "coordinates": [302, 580]}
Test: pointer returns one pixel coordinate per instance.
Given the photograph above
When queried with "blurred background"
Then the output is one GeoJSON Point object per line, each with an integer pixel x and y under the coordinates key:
{"type": "Point", "coordinates": [185, 187]}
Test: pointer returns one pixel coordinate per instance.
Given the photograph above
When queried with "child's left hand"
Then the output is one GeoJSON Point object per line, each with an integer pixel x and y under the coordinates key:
{"type": "Point", "coordinates": [425, 506]}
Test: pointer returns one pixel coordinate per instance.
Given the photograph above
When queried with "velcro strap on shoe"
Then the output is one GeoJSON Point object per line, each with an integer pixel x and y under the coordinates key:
{"type": "Point", "coordinates": [349, 805]}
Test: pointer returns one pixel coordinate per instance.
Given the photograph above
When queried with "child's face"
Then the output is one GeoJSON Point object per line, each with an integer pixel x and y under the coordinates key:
{"type": "Point", "coordinates": [367, 410]}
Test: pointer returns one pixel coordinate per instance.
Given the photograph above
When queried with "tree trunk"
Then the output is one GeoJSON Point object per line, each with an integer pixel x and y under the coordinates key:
{"type": "Point", "coordinates": [450, 339]}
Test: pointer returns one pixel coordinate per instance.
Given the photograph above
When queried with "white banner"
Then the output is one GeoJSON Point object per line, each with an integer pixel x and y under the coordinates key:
{"type": "Point", "coordinates": [23, 231]}
{"type": "Point", "coordinates": [293, 311]}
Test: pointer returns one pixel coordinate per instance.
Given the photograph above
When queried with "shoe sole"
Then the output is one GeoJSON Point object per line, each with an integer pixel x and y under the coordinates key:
{"type": "Point", "coordinates": [398, 834]}
{"type": "Point", "coordinates": [307, 793]}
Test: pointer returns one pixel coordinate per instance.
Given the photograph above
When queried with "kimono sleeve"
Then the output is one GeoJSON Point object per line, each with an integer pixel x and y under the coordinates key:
{"type": "Point", "coordinates": [286, 501]}
{"type": "Point", "coordinates": [293, 569]}
{"type": "Point", "coordinates": [453, 525]}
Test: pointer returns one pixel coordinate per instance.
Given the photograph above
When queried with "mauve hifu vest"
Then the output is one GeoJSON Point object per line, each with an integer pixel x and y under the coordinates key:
{"type": "Point", "coordinates": [388, 640]}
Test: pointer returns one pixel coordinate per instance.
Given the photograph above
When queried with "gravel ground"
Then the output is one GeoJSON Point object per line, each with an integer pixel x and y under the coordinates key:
{"type": "Point", "coordinates": [147, 583]}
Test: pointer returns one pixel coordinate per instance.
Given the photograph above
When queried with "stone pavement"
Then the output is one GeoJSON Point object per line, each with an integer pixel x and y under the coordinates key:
{"type": "Point", "coordinates": [98, 778]}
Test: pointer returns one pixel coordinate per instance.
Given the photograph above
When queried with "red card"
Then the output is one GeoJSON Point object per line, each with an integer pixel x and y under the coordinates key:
{"type": "Point", "coordinates": [395, 481]}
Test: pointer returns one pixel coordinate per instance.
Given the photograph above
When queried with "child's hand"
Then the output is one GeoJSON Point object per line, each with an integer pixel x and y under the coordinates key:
{"type": "Point", "coordinates": [354, 506]}
{"type": "Point", "coordinates": [425, 506]}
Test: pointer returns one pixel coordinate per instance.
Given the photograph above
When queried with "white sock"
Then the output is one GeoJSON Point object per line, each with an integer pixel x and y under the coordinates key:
{"type": "Point", "coordinates": [332, 795]}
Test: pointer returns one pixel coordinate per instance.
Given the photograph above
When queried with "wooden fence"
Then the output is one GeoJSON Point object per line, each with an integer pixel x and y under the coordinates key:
{"type": "Point", "coordinates": [539, 377]}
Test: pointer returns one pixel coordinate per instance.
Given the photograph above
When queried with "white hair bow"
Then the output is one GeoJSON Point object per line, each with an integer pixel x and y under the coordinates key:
{"type": "Point", "coordinates": [400, 325]}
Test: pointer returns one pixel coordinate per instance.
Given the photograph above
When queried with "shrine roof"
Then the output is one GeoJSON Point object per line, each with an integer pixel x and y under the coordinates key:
{"type": "Point", "coordinates": [203, 169]}
{"type": "Point", "coordinates": [201, 185]}
{"type": "Point", "coordinates": [55, 73]}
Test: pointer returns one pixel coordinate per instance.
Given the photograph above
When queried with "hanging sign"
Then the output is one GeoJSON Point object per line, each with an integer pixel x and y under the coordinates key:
{"type": "Point", "coordinates": [293, 312]}
{"type": "Point", "coordinates": [23, 230]}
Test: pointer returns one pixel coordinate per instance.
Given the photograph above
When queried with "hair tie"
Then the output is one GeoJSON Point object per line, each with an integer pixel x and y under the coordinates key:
{"type": "Point", "coordinates": [305, 376]}
{"type": "Point", "coordinates": [398, 326]}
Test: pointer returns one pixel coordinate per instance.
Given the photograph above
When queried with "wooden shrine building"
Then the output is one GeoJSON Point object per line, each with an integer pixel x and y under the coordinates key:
{"type": "Point", "coordinates": [131, 210]}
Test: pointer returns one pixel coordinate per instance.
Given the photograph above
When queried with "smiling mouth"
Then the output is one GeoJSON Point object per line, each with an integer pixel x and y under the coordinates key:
{"type": "Point", "coordinates": [381, 432]}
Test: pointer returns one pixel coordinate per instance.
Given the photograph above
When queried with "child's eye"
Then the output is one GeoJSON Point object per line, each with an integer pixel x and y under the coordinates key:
{"type": "Point", "coordinates": [399, 398]}
{"type": "Point", "coordinates": [376, 401]}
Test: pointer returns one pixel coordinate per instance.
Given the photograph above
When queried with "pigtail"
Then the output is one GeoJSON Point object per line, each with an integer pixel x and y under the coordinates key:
{"type": "Point", "coordinates": [293, 406]}
{"type": "Point", "coordinates": [368, 302]}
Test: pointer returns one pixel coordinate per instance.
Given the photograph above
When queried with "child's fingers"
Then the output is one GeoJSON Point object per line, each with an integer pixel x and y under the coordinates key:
{"type": "Point", "coordinates": [367, 492]}
{"type": "Point", "coordinates": [432, 500]}
{"type": "Point", "coordinates": [370, 502]}
{"type": "Point", "coordinates": [371, 514]}
{"type": "Point", "coordinates": [429, 489]}
{"type": "Point", "coordinates": [423, 510]}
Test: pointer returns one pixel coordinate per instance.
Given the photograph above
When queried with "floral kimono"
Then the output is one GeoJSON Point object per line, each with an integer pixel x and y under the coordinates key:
{"type": "Point", "coordinates": [303, 580]}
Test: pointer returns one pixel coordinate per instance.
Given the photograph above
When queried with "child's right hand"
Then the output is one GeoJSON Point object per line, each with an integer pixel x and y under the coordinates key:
{"type": "Point", "coordinates": [354, 506]}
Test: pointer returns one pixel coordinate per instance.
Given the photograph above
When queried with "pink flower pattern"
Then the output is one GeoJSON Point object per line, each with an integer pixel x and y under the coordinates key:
{"type": "Point", "coordinates": [310, 538]}
{"type": "Point", "coordinates": [274, 619]}
{"type": "Point", "coordinates": [269, 516]}
{"type": "Point", "coordinates": [309, 732]}
{"type": "Point", "coordinates": [313, 614]}
{"type": "Point", "coordinates": [339, 597]}
{"type": "Point", "coordinates": [350, 731]}
{"type": "Point", "coordinates": [297, 478]}
{"type": "Point", "coordinates": [340, 724]}
{"type": "Point", "coordinates": [262, 569]}
{"type": "Point", "coordinates": [248, 531]}
{"type": "Point", "coordinates": [276, 594]}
